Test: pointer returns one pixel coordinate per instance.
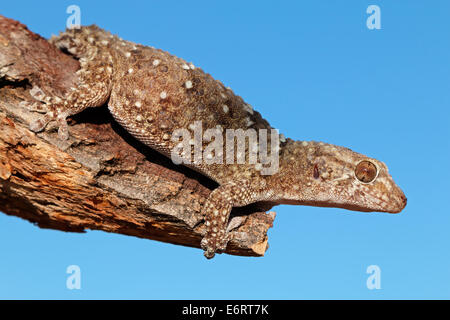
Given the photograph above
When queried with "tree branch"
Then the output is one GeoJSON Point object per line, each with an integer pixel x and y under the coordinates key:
{"type": "Point", "coordinates": [101, 178]}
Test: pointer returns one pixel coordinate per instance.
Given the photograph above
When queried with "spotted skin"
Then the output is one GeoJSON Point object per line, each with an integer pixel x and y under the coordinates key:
{"type": "Point", "coordinates": [152, 93]}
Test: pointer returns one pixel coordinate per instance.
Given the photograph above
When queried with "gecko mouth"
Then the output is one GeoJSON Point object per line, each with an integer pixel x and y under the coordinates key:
{"type": "Point", "coordinates": [394, 203]}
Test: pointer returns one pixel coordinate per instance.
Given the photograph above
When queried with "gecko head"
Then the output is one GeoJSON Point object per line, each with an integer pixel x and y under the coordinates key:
{"type": "Point", "coordinates": [354, 181]}
{"type": "Point", "coordinates": [340, 177]}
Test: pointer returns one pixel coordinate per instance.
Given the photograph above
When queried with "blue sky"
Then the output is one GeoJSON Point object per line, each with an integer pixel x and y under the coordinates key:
{"type": "Point", "coordinates": [314, 70]}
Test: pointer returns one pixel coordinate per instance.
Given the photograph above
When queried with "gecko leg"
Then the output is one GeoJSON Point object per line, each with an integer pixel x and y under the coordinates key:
{"type": "Point", "coordinates": [80, 98]}
{"type": "Point", "coordinates": [217, 212]}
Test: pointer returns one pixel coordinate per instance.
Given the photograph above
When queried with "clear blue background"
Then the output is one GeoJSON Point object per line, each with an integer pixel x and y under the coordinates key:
{"type": "Point", "coordinates": [315, 71]}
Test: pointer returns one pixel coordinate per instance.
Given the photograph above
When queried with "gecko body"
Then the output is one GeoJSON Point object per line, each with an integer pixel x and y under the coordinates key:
{"type": "Point", "coordinates": [152, 93]}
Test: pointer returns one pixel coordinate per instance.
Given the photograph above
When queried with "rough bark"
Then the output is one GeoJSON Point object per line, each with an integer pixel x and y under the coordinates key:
{"type": "Point", "coordinates": [101, 178]}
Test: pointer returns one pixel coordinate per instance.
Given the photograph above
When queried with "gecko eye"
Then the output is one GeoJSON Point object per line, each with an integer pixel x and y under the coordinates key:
{"type": "Point", "coordinates": [366, 171]}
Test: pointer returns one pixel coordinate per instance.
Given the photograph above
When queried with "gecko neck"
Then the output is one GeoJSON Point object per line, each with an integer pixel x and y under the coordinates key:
{"type": "Point", "coordinates": [293, 177]}
{"type": "Point", "coordinates": [304, 177]}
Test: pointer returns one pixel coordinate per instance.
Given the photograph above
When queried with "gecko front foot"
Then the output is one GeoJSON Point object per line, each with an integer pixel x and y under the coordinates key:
{"type": "Point", "coordinates": [41, 123]}
{"type": "Point", "coordinates": [212, 243]}
{"type": "Point", "coordinates": [217, 213]}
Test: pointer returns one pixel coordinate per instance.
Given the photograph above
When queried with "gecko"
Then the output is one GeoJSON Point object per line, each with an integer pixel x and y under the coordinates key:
{"type": "Point", "coordinates": [152, 93]}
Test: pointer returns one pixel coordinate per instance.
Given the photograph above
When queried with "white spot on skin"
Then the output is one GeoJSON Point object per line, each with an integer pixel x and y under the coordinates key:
{"type": "Point", "coordinates": [185, 67]}
{"type": "Point", "coordinates": [225, 108]}
{"type": "Point", "coordinates": [163, 95]}
{"type": "Point", "coordinates": [128, 54]}
{"type": "Point", "coordinates": [165, 136]}
{"type": "Point", "coordinates": [130, 70]}
{"type": "Point", "coordinates": [188, 84]}
{"type": "Point", "coordinates": [139, 118]}
{"type": "Point", "coordinates": [72, 50]}
{"type": "Point", "coordinates": [138, 104]}
{"type": "Point", "coordinates": [156, 62]}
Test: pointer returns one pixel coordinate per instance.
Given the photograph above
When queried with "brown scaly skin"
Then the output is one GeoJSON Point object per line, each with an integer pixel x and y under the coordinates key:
{"type": "Point", "coordinates": [152, 93]}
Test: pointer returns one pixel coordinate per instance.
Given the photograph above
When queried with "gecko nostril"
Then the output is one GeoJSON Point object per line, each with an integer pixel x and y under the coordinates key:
{"type": "Point", "coordinates": [404, 200]}
{"type": "Point", "coordinates": [316, 172]}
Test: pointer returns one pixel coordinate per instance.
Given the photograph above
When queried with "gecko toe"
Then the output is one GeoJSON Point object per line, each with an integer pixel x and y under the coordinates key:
{"type": "Point", "coordinates": [204, 244]}
{"type": "Point", "coordinates": [209, 247]}
{"type": "Point", "coordinates": [209, 254]}
{"type": "Point", "coordinates": [63, 127]}
{"type": "Point", "coordinates": [63, 132]}
{"type": "Point", "coordinates": [40, 124]}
